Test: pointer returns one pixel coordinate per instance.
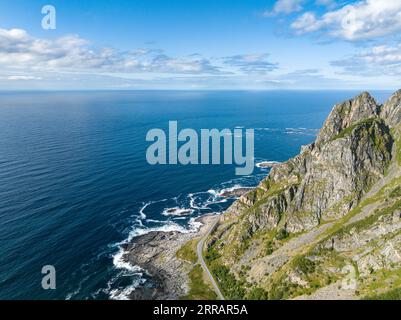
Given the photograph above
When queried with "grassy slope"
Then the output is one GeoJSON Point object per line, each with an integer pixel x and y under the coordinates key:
{"type": "Point", "coordinates": [199, 287]}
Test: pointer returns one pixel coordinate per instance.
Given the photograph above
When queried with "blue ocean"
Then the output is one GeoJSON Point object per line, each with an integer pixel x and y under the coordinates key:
{"type": "Point", "coordinates": [75, 184]}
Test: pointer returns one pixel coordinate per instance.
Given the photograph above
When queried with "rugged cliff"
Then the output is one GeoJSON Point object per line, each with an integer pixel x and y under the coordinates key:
{"type": "Point", "coordinates": [325, 224]}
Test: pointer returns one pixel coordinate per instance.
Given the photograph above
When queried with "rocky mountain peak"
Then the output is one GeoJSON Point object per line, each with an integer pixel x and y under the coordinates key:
{"type": "Point", "coordinates": [348, 113]}
{"type": "Point", "coordinates": [391, 111]}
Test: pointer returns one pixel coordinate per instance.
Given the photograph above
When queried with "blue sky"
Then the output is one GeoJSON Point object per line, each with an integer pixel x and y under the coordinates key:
{"type": "Point", "coordinates": [203, 44]}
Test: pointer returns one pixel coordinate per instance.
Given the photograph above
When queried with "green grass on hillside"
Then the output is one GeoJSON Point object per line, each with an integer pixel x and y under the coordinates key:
{"type": "Point", "coordinates": [188, 251]}
{"type": "Point", "coordinates": [398, 151]}
{"type": "Point", "coordinates": [232, 288]}
{"type": "Point", "coordinates": [347, 131]}
{"type": "Point", "coordinates": [394, 294]}
{"type": "Point", "coordinates": [199, 290]}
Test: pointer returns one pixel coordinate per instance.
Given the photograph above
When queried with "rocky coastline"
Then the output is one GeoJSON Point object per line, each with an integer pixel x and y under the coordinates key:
{"type": "Point", "coordinates": [156, 254]}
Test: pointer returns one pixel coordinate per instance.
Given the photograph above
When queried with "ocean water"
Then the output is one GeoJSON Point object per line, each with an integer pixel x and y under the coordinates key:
{"type": "Point", "coordinates": [75, 184]}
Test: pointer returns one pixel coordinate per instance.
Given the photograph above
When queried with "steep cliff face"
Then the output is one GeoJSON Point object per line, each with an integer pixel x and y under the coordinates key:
{"type": "Point", "coordinates": [354, 155]}
{"type": "Point", "coordinates": [391, 111]}
{"type": "Point", "coordinates": [328, 178]}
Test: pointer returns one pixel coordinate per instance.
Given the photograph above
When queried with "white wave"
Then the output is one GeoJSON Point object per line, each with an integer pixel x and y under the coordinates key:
{"type": "Point", "coordinates": [78, 290]}
{"type": "Point", "coordinates": [155, 221]}
{"type": "Point", "coordinates": [120, 263]}
{"type": "Point", "coordinates": [219, 195]}
{"type": "Point", "coordinates": [141, 211]}
{"type": "Point", "coordinates": [232, 189]}
{"type": "Point", "coordinates": [127, 270]}
{"type": "Point", "coordinates": [267, 164]}
{"type": "Point", "coordinates": [213, 192]}
{"type": "Point", "coordinates": [212, 199]}
{"type": "Point", "coordinates": [267, 129]}
{"type": "Point", "coordinates": [123, 294]}
{"type": "Point", "coordinates": [147, 204]}
{"type": "Point", "coordinates": [132, 270]}
{"type": "Point", "coordinates": [222, 200]}
{"type": "Point", "coordinates": [301, 131]}
{"type": "Point", "coordinates": [194, 225]}
{"type": "Point", "coordinates": [169, 226]}
{"type": "Point", "coordinates": [139, 222]}
{"type": "Point", "coordinates": [177, 211]}
{"type": "Point", "coordinates": [192, 201]}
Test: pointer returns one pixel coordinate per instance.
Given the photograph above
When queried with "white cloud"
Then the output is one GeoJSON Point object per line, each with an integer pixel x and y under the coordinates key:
{"type": "Point", "coordinates": [362, 20]}
{"type": "Point", "coordinates": [379, 60]}
{"type": "Point", "coordinates": [23, 78]}
{"type": "Point", "coordinates": [19, 50]}
{"type": "Point", "coordinates": [285, 7]}
{"type": "Point", "coordinates": [306, 23]}
{"type": "Point", "coordinates": [251, 63]}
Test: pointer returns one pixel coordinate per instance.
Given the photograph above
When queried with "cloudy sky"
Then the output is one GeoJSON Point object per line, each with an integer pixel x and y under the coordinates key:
{"type": "Point", "coordinates": [201, 44]}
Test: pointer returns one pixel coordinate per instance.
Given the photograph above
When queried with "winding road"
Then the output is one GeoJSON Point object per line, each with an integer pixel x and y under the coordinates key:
{"type": "Point", "coordinates": [199, 252]}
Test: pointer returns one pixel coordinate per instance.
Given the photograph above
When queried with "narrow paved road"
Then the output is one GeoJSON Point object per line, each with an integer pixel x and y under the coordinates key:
{"type": "Point", "coordinates": [199, 251]}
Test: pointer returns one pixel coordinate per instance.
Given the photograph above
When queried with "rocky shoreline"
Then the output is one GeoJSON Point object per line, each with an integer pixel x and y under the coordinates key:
{"type": "Point", "coordinates": [235, 192]}
{"type": "Point", "coordinates": [155, 253]}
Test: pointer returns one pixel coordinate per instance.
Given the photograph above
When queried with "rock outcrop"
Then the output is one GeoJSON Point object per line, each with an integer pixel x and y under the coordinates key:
{"type": "Point", "coordinates": [329, 177]}
{"type": "Point", "coordinates": [391, 111]}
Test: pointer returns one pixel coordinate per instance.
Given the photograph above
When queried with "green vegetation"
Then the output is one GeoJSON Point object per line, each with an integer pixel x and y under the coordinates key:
{"type": "Point", "coordinates": [228, 283]}
{"type": "Point", "coordinates": [244, 232]}
{"type": "Point", "coordinates": [394, 294]}
{"type": "Point", "coordinates": [273, 189]}
{"type": "Point", "coordinates": [311, 274]}
{"type": "Point", "coordinates": [396, 193]}
{"type": "Point", "coordinates": [211, 254]}
{"type": "Point", "coordinates": [380, 283]}
{"type": "Point", "coordinates": [337, 208]}
{"type": "Point", "coordinates": [304, 265]}
{"type": "Point", "coordinates": [282, 234]}
{"type": "Point", "coordinates": [188, 251]}
{"type": "Point", "coordinates": [199, 290]}
{"type": "Point", "coordinates": [231, 288]}
{"type": "Point", "coordinates": [382, 195]}
{"type": "Point", "coordinates": [269, 248]}
{"type": "Point", "coordinates": [398, 149]}
{"type": "Point", "coordinates": [257, 294]}
{"type": "Point", "coordinates": [382, 142]}
{"type": "Point", "coordinates": [283, 289]}
{"type": "Point", "coordinates": [370, 220]}
{"type": "Point", "coordinates": [347, 131]}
